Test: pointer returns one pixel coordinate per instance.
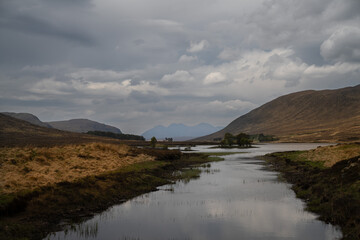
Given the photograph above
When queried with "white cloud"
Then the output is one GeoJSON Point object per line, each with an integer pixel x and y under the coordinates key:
{"type": "Point", "coordinates": [176, 79]}
{"type": "Point", "coordinates": [118, 89]}
{"type": "Point", "coordinates": [50, 86]}
{"type": "Point", "coordinates": [214, 77]}
{"type": "Point", "coordinates": [198, 46]}
{"type": "Point", "coordinates": [259, 76]}
{"type": "Point", "coordinates": [236, 104]}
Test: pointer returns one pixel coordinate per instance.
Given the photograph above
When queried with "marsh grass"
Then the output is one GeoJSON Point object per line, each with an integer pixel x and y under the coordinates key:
{"type": "Point", "coordinates": [29, 168]}
{"type": "Point", "coordinates": [329, 184]}
{"type": "Point", "coordinates": [188, 174]}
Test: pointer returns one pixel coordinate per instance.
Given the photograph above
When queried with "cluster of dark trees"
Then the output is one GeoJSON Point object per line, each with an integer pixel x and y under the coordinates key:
{"type": "Point", "coordinates": [241, 140]}
{"type": "Point", "coordinates": [263, 138]}
{"type": "Point", "coordinates": [120, 136]}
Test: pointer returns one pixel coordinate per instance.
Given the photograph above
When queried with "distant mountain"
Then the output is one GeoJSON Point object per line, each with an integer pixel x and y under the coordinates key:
{"type": "Point", "coordinates": [82, 126]}
{"type": "Point", "coordinates": [16, 132]}
{"type": "Point", "coordinates": [28, 118]}
{"type": "Point", "coordinates": [327, 115]}
{"type": "Point", "coordinates": [180, 132]}
{"type": "Point", "coordinates": [73, 125]}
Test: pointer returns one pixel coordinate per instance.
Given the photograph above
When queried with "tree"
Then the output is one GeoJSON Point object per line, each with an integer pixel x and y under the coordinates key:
{"type": "Point", "coordinates": [243, 140]}
{"type": "Point", "coordinates": [153, 142]}
{"type": "Point", "coordinates": [228, 140]}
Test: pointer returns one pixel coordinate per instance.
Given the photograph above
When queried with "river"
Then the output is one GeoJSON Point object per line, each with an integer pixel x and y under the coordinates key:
{"type": "Point", "coordinates": [238, 198]}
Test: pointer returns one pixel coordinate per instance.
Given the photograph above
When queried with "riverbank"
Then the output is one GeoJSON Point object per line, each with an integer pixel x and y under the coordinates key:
{"type": "Point", "coordinates": [328, 180]}
{"type": "Point", "coordinates": [80, 182]}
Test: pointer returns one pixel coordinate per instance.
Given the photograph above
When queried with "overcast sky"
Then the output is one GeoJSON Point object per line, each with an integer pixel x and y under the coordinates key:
{"type": "Point", "coordinates": [137, 64]}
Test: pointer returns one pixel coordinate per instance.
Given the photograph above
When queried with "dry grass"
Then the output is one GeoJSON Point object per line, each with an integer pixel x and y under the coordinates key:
{"type": "Point", "coordinates": [332, 154]}
{"type": "Point", "coordinates": [28, 168]}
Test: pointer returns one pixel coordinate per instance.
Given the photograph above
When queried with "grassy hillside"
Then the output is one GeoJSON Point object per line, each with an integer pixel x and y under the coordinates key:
{"type": "Point", "coordinates": [328, 115]}
{"type": "Point", "coordinates": [15, 132]}
{"type": "Point", "coordinates": [28, 118]}
{"type": "Point", "coordinates": [83, 126]}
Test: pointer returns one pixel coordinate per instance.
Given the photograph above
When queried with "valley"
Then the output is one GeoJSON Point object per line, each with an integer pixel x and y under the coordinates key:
{"type": "Point", "coordinates": [50, 176]}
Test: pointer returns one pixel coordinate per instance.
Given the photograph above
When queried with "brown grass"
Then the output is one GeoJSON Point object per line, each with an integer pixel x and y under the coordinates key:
{"type": "Point", "coordinates": [332, 154]}
{"type": "Point", "coordinates": [27, 168]}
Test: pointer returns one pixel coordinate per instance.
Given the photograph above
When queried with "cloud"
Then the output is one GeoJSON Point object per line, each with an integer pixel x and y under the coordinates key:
{"type": "Point", "coordinates": [229, 54]}
{"type": "Point", "coordinates": [116, 89]}
{"type": "Point", "coordinates": [98, 75]}
{"type": "Point", "coordinates": [197, 46]}
{"type": "Point", "coordinates": [343, 45]}
{"type": "Point", "coordinates": [133, 64]}
{"type": "Point", "coordinates": [165, 24]}
{"type": "Point", "coordinates": [23, 19]}
{"type": "Point", "coordinates": [50, 87]}
{"type": "Point", "coordinates": [237, 105]}
{"type": "Point", "coordinates": [214, 78]}
{"type": "Point", "coordinates": [176, 79]}
{"type": "Point", "coordinates": [185, 58]}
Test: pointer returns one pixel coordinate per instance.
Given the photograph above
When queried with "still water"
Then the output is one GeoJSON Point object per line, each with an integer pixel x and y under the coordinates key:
{"type": "Point", "coordinates": [234, 199]}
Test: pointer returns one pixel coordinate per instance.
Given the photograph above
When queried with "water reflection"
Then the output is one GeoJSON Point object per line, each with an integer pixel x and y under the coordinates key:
{"type": "Point", "coordinates": [88, 230]}
{"type": "Point", "coordinates": [238, 200]}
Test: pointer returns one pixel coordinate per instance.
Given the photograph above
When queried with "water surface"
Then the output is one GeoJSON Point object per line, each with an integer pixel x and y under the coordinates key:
{"type": "Point", "coordinates": [234, 199]}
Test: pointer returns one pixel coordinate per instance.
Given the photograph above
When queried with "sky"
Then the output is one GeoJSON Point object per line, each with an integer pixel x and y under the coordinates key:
{"type": "Point", "coordinates": [137, 64]}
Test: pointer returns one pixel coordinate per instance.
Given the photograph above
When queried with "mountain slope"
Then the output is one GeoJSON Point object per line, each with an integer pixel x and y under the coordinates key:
{"type": "Point", "coordinates": [16, 132]}
{"type": "Point", "coordinates": [329, 115]}
{"type": "Point", "coordinates": [73, 125]}
{"type": "Point", "coordinates": [82, 125]}
{"type": "Point", "coordinates": [180, 131]}
{"type": "Point", "coordinates": [28, 118]}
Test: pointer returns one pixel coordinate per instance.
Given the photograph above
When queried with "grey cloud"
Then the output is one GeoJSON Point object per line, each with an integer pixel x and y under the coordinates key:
{"type": "Point", "coordinates": [188, 61]}
{"type": "Point", "coordinates": [69, 3]}
{"type": "Point", "coordinates": [28, 21]}
{"type": "Point", "coordinates": [140, 97]}
{"type": "Point", "coordinates": [36, 25]}
{"type": "Point", "coordinates": [342, 45]}
{"type": "Point", "coordinates": [299, 24]}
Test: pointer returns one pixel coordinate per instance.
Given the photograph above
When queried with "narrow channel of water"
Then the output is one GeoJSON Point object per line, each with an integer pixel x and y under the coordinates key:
{"type": "Point", "coordinates": [234, 199]}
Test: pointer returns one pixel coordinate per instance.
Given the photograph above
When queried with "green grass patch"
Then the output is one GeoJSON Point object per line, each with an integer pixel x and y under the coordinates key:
{"type": "Point", "coordinates": [187, 174]}
{"type": "Point", "coordinates": [297, 157]}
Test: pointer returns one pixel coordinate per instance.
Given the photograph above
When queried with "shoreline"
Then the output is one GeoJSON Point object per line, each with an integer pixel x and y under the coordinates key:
{"type": "Point", "coordinates": [332, 192]}
{"type": "Point", "coordinates": [35, 214]}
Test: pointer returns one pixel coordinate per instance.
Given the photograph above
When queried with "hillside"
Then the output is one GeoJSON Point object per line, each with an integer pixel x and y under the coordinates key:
{"type": "Point", "coordinates": [327, 115]}
{"type": "Point", "coordinates": [82, 126]}
{"type": "Point", "coordinates": [73, 125]}
{"type": "Point", "coordinates": [15, 132]}
{"type": "Point", "coordinates": [180, 132]}
{"type": "Point", "coordinates": [28, 118]}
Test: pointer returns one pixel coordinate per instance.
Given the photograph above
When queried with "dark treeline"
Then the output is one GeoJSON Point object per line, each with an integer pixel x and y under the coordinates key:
{"type": "Point", "coordinates": [120, 136]}
{"type": "Point", "coordinates": [241, 140]}
{"type": "Point", "coordinates": [263, 138]}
